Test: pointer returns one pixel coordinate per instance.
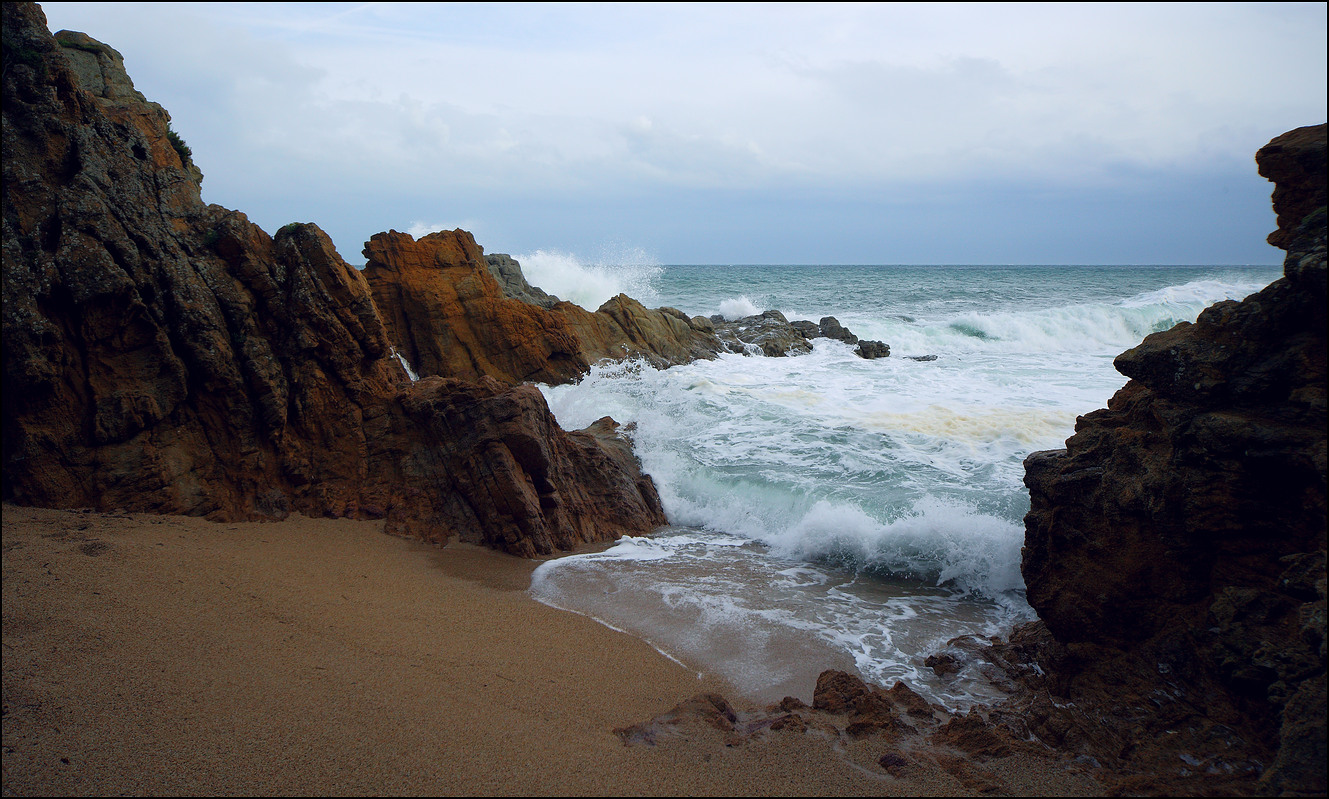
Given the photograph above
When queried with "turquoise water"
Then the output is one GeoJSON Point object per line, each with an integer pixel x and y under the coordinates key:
{"type": "Point", "coordinates": [828, 510]}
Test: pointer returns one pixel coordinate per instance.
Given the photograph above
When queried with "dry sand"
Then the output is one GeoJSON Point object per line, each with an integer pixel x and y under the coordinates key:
{"type": "Point", "coordinates": [168, 655]}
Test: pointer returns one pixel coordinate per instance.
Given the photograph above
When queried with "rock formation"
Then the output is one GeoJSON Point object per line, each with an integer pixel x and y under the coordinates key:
{"type": "Point", "coordinates": [165, 355]}
{"type": "Point", "coordinates": [1175, 550]}
{"type": "Point", "coordinates": [769, 333]}
{"type": "Point", "coordinates": [451, 317]}
{"type": "Point", "coordinates": [507, 272]}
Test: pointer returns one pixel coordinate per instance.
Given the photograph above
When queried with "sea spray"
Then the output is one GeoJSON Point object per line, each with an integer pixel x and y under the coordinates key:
{"type": "Point", "coordinates": [625, 271]}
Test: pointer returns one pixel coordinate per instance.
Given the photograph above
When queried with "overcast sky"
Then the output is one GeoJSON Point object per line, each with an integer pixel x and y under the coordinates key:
{"type": "Point", "coordinates": [857, 133]}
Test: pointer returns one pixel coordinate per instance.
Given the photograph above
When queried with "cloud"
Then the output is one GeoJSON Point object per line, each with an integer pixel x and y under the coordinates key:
{"type": "Point", "coordinates": [377, 113]}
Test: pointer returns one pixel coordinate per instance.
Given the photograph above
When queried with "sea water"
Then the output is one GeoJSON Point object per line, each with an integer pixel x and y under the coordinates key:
{"type": "Point", "coordinates": [830, 511]}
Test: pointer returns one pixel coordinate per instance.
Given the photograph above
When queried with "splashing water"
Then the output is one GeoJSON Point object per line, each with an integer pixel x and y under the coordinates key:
{"type": "Point", "coordinates": [833, 511]}
{"type": "Point", "coordinates": [624, 271]}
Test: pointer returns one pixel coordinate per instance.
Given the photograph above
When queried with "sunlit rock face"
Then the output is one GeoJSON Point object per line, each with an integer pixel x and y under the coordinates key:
{"type": "Point", "coordinates": [1184, 525]}
{"type": "Point", "coordinates": [170, 356]}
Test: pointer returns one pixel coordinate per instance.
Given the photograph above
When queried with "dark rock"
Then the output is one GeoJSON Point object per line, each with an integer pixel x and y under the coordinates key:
{"type": "Point", "coordinates": [166, 356]}
{"type": "Point", "coordinates": [921, 358]}
{"type": "Point", "coordinates": [872, 349]}
{"type": "Point", "coordinates": [1295, 162]}
{"type": "Point", "coordinates": [768, 332]}
{"type": "Point", "coordinates": [507, 271]}
{"type": "Point", "coordinates": [808, 329]}
{"type": "Point", "coordinates": [830, 327]}
{"type": "Point", "coordinates": [1177, 543]}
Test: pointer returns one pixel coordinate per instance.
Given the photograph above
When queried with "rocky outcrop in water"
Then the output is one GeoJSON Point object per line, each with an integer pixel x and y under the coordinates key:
{"type": "Point", "coordinates": [169, 356]}
{"type": "Point", "coordinates": [769, 333]}
{"type": "Point", "coordinates": [1175, 550]}
{"type": "Point", "coordinates": [624, 328]}
{"type": "Point", "coordinates": [450, 317]}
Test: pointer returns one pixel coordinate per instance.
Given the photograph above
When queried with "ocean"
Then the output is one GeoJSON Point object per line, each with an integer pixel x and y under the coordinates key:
{"type": "Point", "coordinates": [828, 511]}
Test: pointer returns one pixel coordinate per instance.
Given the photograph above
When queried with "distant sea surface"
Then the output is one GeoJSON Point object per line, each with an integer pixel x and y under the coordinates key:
{"type": "Point", "coordinates": [830, 511]}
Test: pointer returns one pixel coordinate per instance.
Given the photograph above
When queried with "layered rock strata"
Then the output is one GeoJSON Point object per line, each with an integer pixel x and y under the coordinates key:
{"type": "Point", "coordinates": [1175, 550]}
{"type": "Point", "coordinates": [169, 356]}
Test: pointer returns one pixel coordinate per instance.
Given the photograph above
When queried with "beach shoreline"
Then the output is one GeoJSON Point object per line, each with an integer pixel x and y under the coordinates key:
{"type": "Point", "coordinates": [171, 655]}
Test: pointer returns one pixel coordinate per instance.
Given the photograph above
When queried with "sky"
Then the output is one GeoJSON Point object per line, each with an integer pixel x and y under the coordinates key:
{"type": "Point", "coordinates": [851, 133]}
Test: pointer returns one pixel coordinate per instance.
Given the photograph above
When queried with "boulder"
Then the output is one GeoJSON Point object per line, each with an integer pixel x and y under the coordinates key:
{"type": "Point", "coordinates": [163, 355]}
{"type": "Point", "coordinates": [830, 327]}
{"type": "Point", "coordinates": [872, 349]}
{"type": "Point", "coordinates": [769, 333]}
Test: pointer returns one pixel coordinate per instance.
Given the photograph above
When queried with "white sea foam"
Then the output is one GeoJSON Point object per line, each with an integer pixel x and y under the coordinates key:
{"type": "Point", "coordinates": [829, 507]}
{"type": "Point", "coordinates": [1105, 327]}
{"type": "Point", "coordinates": [737, 308]}
{"type": "Point", "coordinates": [624, 271]}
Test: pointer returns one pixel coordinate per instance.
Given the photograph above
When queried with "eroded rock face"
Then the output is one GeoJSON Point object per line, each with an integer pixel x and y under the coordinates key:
{"type": "Point", "coordinates": [452, 318]}
{"type": "Point", "coordinates": [165, 355]}
{"type": "Point", "coordinates": [1181, 533]}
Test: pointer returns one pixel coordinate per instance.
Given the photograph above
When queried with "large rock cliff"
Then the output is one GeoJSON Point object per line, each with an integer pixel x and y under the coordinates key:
{"type": "Point", "coordinates": [1175, 550]}
{"type": "Point", "coordinates": [165, 355]}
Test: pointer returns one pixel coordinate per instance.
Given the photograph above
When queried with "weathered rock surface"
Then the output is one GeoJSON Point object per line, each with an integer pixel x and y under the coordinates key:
{"type": "Point", "coordinates": [165, 355]}
{"type": "Point", "coordinates": [1175, 549]}
{"type": "Point", "coordinates": [507, 272]}
{"type": "Point", "coordinates": [450, 317]}
{"type": "Point", "coordinates": [1295, 162]}
{"type": "Point", "coordinates": [768, 332]}
{"type": "Point", "coordinates": [623, 328]}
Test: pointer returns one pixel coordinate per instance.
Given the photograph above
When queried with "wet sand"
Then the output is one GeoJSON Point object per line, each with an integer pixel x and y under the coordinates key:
{"type": "Point", "coordinates": [170, 655]}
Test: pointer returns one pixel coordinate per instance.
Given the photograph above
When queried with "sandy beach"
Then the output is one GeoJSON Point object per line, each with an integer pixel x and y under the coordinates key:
{"type": "Point", "coordinates": [158, 655]}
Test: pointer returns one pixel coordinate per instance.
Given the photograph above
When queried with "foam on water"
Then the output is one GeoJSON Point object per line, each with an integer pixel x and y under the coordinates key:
{"type": "Point", "coordinates": [833, 510]}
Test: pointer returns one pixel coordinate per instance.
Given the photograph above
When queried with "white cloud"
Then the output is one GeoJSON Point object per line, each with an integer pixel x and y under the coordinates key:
{"type": "Point", "coordinates": [387, 101]}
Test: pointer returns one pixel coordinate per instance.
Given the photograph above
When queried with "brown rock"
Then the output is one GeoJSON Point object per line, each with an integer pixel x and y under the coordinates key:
{"type": "Point", "coordinates": [837, 690]}
{"type": "Point", "coordinates": [972, 733]}
{"type": "Point", "coordinates": [1173, 545]}
{"type": "Point", "coordinates": [163, 355]}
{"type": "Point", "coordinates": [1295, 162]}
{"type": "Point", "coordinates": [450, 318]}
